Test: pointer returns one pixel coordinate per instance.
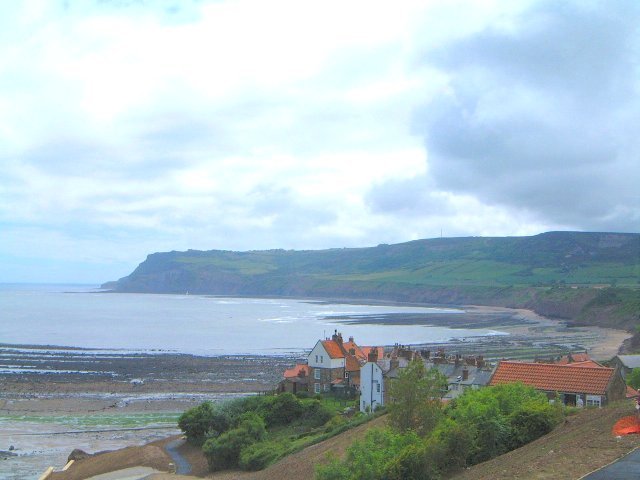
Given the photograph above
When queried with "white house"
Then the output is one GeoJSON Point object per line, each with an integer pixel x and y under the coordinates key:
{"type": "Point", "coordinates": [371, 387]}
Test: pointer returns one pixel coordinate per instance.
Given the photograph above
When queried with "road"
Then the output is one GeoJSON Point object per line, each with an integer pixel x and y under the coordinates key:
{"type": "Point", "coordinates": [627, 468]}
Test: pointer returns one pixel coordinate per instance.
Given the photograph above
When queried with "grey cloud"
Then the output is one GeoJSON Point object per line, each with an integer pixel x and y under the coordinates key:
{"type": "Point", "coordinates": [415, 197]}
{"type": "Point", "coordinates": [543, 117]}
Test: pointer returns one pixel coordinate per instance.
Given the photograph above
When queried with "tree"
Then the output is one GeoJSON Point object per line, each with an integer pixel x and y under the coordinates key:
{"type": "Point", "coordinates": [633, 378]}
{"type": "Point", "coordinates": [416, 395]}
{"type": "Point", "coordinates": [202, 422]}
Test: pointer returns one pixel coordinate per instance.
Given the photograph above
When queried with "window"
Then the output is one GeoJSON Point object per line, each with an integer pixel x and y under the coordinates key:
{"type": "Point", "coordinates": [594, 401]}
{"type": "Point", "coordinates": [326, 387]}
{"type": "Point", "coordinates": [316, 373]}
{"type": "Point", "coordinates": [316, 358]}
{"type": "Point", "coordinates": [377, 387]}
{"type": "Point", "coordinates": [316, 387]}
{"type": "Point", "coordinates": [321, 358]}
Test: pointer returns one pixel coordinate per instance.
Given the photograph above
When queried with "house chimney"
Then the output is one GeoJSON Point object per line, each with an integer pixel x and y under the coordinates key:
{"type": "Point", "coordinates": [351, 339]}
{"type": "Point", "coordinates": [480, 361]}
{"type": "Point", "coordinates": [373, 355]}
{"type": "Point", "coordinates": [465, 374]}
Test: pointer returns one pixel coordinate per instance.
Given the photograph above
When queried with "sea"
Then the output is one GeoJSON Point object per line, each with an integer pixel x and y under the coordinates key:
{"type": "Point", "coordinates": [86, 316]}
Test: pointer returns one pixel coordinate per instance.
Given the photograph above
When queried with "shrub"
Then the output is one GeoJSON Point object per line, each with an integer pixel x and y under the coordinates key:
{"type": "Point", "coordinates": [421, 461]}
{"type": "Point", "coordinates": [335, 422]}
{"type": "Point", "coordinates": [224, 451]}
{"type": "Point", "coordinates": [531, 423]}
{"type": "Point", "coordinates": [260, 455]}
{"type": "Point", "coordinates": [457, 441]}
{"type": "Point", "coordinates": [282, 409]}
{"type": "Point", "coordinates": [316, 414]}
{"type": "Point", "coordinates": [202, 422]}
{"type": "Point", "coordinates": [367, 458]}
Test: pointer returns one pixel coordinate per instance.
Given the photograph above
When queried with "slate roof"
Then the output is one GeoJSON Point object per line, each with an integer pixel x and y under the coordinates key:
{"type": "Point", "coordinates": [553, 377]}
{"type": "Point", "coordinates": [630, 361]}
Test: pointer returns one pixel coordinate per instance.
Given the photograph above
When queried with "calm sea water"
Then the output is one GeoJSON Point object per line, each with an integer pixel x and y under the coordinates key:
{"type": "Point", "coordinates": [82, 316]}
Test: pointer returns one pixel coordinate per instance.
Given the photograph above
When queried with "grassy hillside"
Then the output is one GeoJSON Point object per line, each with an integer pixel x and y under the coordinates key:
{"type": "Point", "coordinates": [585, 277]}
{"type": "Point", "coordinates": [581, 445]}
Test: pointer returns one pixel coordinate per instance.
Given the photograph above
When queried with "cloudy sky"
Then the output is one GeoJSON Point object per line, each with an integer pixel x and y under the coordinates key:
{"type": "Point", "coordinates": [129, 127]}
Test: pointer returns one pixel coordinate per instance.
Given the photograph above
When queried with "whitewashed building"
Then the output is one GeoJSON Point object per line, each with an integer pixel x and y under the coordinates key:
{"type": "Point", "coordinates": [371, 387]}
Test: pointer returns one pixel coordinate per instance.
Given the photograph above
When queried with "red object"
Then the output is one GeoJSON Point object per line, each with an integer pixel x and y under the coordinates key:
{"type": "Point", "coordinates": [627, 426]}
{"type": "Point", "coordinates": [552, 377]}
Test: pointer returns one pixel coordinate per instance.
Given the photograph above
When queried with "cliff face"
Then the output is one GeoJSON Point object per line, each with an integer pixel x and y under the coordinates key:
{"type": "Point", "coordinates": [589, 278]}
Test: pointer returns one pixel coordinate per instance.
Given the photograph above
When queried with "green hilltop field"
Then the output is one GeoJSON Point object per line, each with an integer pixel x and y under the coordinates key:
{"type": "Point", "coordinates": [591, 278]}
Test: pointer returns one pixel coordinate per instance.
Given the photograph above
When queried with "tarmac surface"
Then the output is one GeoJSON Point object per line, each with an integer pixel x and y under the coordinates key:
{"type": "Point", "coordinates": [627, 468]}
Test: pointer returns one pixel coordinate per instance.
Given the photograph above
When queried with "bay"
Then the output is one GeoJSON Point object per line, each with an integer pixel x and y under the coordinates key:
{"type": "Point", "coordinates": [83, 316]}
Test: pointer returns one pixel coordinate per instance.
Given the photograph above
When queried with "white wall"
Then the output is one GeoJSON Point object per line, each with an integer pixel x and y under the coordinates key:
{"type": "Point", "coordinates": [371, 387]}
{"type": "Point", "coordinates": [319, 358]}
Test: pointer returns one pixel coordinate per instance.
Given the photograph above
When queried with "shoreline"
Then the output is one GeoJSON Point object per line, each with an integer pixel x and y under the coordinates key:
{"type": "Point", "coordinates": [173, 382]}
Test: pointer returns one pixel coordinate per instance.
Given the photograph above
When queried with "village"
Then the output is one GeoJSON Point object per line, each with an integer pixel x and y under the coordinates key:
{"type": "Point", "coordinates": [348, 370]}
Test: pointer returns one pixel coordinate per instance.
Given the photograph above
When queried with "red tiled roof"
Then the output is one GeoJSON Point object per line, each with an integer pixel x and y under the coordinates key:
{"type": "Point", "coordinates": [553, 377]}
{"type": "Point", "coordinates": [352, 364]}
{"type": "Point", "coordinates": [300, 370]}
{"type": "Point", "coordinates": [575, 357]}
{"type": "Point", "coordinates": [587, 363]}
{"type": "Point", "coordinates": [631, 392]}
{"type": "Point", "coordinates": [333, 349]}
{"type": "Point", "coordinates": [357, 351]}
{"type": "Point", "coordinates": [367, 350]}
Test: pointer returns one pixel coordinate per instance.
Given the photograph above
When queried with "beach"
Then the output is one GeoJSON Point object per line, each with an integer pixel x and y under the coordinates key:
{"type": "Point", "coordinates": [107, 400]}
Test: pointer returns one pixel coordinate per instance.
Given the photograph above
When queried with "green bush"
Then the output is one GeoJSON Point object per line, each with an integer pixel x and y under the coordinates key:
{"type": "Point", "coordinates": [260, 455]}
{"type": "Point", "coordinates": [282, 409]}
{"type": "Point", "coordinates": [530, 423]}
{"type": "Point", "coordinates": [457, 441]}
{"type": "Point", "coordinates": [367, 459]}
{"type": "Point", "coordinates": [204, 421]}
{"type": "Point", "coordinates": [420, 461]}
{"type": "Point", "coordinates": [315, 414]}
{"type": "Point", "coordinates": [335, 422]}
{"type": "Point", "coordinates": [224, 451]}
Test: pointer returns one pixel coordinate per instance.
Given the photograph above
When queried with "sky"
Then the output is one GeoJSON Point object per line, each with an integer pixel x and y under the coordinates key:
{"type": "Point", "coordinates": [131, 127]}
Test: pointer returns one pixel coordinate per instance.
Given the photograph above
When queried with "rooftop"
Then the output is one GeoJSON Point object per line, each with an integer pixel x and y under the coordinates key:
{"type": "Point", "coordinates": [553, 377]}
